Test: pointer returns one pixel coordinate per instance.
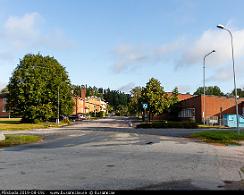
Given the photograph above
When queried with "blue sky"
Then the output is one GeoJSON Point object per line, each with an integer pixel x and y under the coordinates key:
{"type": "Point", "coordinates": [121, 44]}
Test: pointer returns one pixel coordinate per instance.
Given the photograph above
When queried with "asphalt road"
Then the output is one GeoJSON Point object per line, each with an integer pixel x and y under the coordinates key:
{"type": "Point", "coordinates": [109, 154]}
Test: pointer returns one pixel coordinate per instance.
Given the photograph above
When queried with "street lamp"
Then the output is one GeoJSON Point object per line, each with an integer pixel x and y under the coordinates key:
{"type": "Point", "coordinates": [220, 26]}
{"type": "Point", "coordinates": [58, 107]}
{"type": "Point", "coordinates": [204, 90]}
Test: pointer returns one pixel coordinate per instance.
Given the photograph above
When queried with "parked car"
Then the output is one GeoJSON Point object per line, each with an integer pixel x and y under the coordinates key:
{"type": "Point", "coordinates": [73, 117]}
{"type": "Point", "coordinates": [81, 116]}
{"type": "Point", "coordinates": [77, 117]}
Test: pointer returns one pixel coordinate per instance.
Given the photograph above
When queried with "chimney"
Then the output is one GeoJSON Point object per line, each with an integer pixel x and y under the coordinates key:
{"type": "Point", "coordinates": [83, 97]}
{"type": "Point", "coordinates": [83, 92]}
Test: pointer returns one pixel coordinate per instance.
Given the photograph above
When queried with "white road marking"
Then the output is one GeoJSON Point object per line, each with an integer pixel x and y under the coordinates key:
{"type": "Point", "coordinates": [76, 135]}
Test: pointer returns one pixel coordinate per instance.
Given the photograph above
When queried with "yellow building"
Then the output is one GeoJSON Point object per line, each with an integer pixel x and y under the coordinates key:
{"type": "Point", "coordinates": [95, 104]}
{"type": "Point", "coordinates": [86, 105]}
{"type": "Point", "coordinates": [79, 106]}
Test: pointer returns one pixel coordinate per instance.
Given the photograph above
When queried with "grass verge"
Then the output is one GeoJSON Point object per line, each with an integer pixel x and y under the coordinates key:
{"type": "Point", "coordinates": [211, 127]}
{"type": "Point", "coordinates": [12, 140]}
{"type": "Point", "coordinates": [221, 137]}
{"type": "Point", "coordinates": [15, 124]}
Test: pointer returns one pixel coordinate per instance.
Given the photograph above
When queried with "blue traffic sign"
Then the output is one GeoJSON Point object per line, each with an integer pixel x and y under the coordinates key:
{"type": "Point", "coordinates": [145, 106]}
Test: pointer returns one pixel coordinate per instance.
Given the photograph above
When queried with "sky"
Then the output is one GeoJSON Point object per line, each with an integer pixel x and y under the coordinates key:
{"type": "Point", "coordinates": [122, 44]}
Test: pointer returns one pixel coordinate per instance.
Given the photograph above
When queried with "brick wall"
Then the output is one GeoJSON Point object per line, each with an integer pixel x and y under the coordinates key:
{"type": "Point", "coordinates": [194, 102]}
{"type": "Point", "coordinates": [2, 106]}
{"type": "Point", "coordinates": [78, 106]}
{"type": "Point", "coordinates": [215, 106]}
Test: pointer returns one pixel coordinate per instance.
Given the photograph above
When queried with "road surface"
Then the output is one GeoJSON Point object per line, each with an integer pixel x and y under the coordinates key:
{"type": "Point", "coordinates": [109, 154]}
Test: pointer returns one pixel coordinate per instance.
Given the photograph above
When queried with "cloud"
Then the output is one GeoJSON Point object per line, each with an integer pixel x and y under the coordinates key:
{"type": "Point", "coordinates": [126, 88]}
{"type": "Point", "coordinates": [127, 57]}
{"type": "Point", "coordinates": [57, 40]}
{"type": "Point", "coordinates": [225, 73]}
{"type": "Point", "coordinates": [184, 88]}
{"type": "Point", "coordinates": [187, 52]}
{"type": "Point", "coordinates": [25, 26]}
{"type": "Point", "coordinates": [28, 32]}
{"type": "Point", "coordinates": [2, 85]}
{"type": "Point", "coordinates": [218, 40]}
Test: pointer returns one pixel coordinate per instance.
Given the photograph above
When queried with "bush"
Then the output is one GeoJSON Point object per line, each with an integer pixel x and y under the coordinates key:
{"type": "Point", "coordinates": [66, 120]}
{"type": "Point", "coordinates": [101, 114]}
{"type": "Point", "coordinates": [168, 124]}
{"type": "Point", "coordinates": [144, 126]}
{"type": "Point", "coordinates": [36, 121]}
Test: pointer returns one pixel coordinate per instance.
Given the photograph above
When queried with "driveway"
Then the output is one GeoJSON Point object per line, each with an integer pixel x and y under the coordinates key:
{"type": "Point", "coordinates": [109, 154]}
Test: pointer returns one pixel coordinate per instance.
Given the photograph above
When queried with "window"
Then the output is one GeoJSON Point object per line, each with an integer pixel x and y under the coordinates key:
{"type": "Point", "coordinates": [187, 113]}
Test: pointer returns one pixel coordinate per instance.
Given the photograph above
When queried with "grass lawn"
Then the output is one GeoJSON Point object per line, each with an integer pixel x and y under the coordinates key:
{"type": "Point", "coordinates": [11, 140]}
{"type": "Point", "coordinates": [222, 137]}
{"type": "Point", "coordinates": [15, 124]}
{"type": "Point", "coordinates": [211, 127]}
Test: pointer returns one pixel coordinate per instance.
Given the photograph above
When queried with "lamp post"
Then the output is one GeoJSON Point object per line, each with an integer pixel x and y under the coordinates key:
{"type": "Point", "coordinates": [204, 90]}
{"type": "Point", "coordinates": [220, 26]}
{"type": "Point", "coordinates": [58, 107]}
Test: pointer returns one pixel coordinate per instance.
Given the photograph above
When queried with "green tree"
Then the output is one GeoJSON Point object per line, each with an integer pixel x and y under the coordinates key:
{"type": "Point", "coordinates": [173, 108]}
{"type": "Point", "coordinates": [135, 101]}
{"type": "Point", "coordinates": [211, 90]}
{"type": "Point", "coordinates": [155, 96]}
{"type": "Point", "coordinates": [33, 89]}
{"type": "Point", "coordinates": [122, 110]}
{"type": "Point", "coordinates": [174, 98]}
{"type": "Point", "coordinates": [116, 98]}
{"type": "Point", "coordinates": [240, 92]}
{"type": "Point", "coordinates": [4, 90]}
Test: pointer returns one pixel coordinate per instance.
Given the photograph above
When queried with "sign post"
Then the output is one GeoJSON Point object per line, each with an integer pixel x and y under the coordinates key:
{"type": "Point", "coordinates": [145, 106]}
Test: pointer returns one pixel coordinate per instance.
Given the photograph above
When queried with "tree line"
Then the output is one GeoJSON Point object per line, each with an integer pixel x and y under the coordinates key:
{"type": "Point", "coordinates": [118, 101]}
{"type": "Point", "coordinates": [40, 89]}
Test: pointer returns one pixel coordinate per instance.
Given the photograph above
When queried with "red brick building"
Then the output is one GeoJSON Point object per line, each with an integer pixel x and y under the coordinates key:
{"type": "Point", "coordinates": [3, 101]}
{"type": "Point", "coordinates": [79, 103]}
{"type": "Point", "coordinates": [181, 96]}
{"type": "Point", "coordinates": [216, 107]}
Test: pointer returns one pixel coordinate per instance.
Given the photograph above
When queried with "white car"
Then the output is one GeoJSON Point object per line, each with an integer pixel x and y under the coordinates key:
{"type": "Point", "coordinates": [82, 117]}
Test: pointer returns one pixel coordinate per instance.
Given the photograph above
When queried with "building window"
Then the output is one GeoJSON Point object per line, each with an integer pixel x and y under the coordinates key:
{"type": "Point", "coordinates": [187, 113]}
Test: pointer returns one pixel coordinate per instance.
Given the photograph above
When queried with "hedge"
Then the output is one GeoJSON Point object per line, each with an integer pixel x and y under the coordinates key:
{"type": "Point", "coordinates": [169, 124]}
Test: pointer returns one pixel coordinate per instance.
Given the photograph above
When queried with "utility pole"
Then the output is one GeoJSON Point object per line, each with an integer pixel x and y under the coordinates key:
{"type": "Point", "coordinates": [220, 26]}
{"type": "Point", "coordinates": [204, 88]}
{"type": "Point", "coordinates": [58, 107]}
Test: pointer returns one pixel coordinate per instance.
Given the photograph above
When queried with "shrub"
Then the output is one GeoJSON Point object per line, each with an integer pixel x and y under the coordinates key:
{"type": "Point", "coordinates": [66, 120]}
{"type": "Point", "coordinates": [144, 125]}
{"type": "Point", "coordinates": [101, 114]}
{"type": "Point", "coordinates": [169, 124]}
{"type": "Point", "coordinates": [36, 121]}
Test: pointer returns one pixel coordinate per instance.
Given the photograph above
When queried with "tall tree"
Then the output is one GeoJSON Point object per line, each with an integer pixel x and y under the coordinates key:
{"type": "Point", "coordinates": [174, 108]}
{"type": "Point", "coordinates": [34, 86]}
{"type": "Point", "coordinates": [135, 101]}
{"type": "Point", "coordinates": [173, 99]}
{"type": "Point", "coordinates": [240, 92]}
{"type": "Point", "coordinates": [211, 90]}
{"type": "Point", "coordinates": [4, 90]}
{"type": "Point", "coordinates": [154, 95]}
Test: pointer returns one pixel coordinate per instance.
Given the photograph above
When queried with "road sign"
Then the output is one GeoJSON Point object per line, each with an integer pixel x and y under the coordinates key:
{"type": "Point", "coordinates": [145, 106]}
